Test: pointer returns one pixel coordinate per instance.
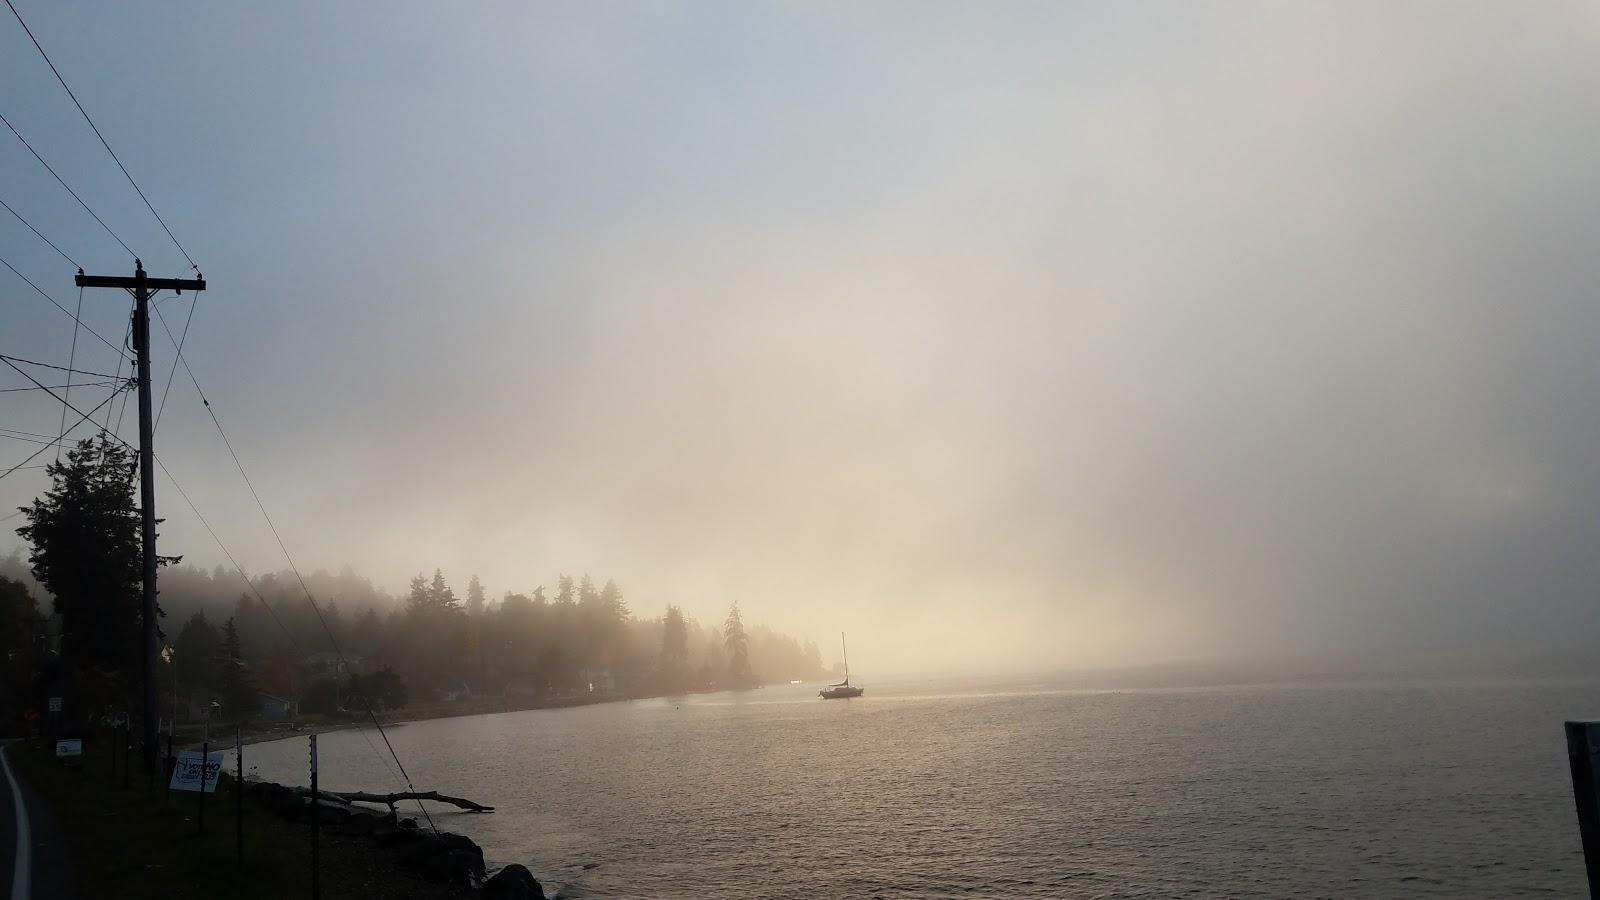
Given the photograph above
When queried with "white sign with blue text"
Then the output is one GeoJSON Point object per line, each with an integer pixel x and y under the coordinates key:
{"type": "Point", "coordinates": [187, 771]}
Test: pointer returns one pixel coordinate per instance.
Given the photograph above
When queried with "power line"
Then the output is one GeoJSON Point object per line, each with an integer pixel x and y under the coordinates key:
{"type": "Point", "coordinates": [72, 358]}
{"type": "Point", "coordinates": [47, 438]}
{"type": "Point", "coordinates": [102, 137]}
{"type": "Point", "coordinates": [127, 332]}
{"type": "Point", "coordinates": [53, 302]}
{"type": "Point", "coordinates": [64, 184]}
{"type": "Point", "coordinates": [59, 398]}
{"type": "Point", "coordinates": [254, 590]}
{"type": "Point", "coordinates": [310, 599]}
{"type": "Point", "coordinates": [121, 411]}
{"type": "Point", "coordinates": [193, 302]}
{"type": "Point", "coordinates": [46, 446]}
{"type": "Point", "coordinates": [42, 442]}
{"type": "Point", "coordinates": [40, 236]}
{"type": "Point", "coordinates": [29, 362]}
{"type": "Point", "coordinates": [314, 608]}
{"type": "Point", "coordinates": [56, 387]}
{"type": "Point", "coordinates": [334, 641]}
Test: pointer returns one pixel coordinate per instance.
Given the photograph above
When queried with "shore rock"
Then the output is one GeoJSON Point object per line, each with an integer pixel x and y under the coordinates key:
{"type": "Point", "coordinates": [445, 859]}
{"type": "Point", "coordinates": [391, 837]}
{"type": "Point", "coordinates": [360, 823]}
{"type": "Point", "coordinates": [514, 882]}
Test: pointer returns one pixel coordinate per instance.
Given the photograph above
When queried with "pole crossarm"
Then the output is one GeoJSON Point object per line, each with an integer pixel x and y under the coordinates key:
{"type": "Point", "coordinates": [133, 283]}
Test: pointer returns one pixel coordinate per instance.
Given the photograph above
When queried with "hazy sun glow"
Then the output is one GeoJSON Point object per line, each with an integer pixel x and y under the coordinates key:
{"type": "Point", "coordinates": [1024, 335]}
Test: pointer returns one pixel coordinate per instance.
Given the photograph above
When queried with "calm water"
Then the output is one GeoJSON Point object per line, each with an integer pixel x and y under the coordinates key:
{"type": "Point", "coordinates": [1449, 790]}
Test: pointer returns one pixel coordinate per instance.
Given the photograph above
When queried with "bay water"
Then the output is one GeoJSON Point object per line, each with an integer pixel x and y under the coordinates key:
{"type": "Point", "coordinates": [1338, 790]}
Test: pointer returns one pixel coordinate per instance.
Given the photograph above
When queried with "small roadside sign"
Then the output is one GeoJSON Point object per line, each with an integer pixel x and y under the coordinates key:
{"type": "Point", "coordinates": [69, 747]}
{"type": "Point", "coordinates": [187, 772]}
{"type": "Point", "coordinates": [55, 704]}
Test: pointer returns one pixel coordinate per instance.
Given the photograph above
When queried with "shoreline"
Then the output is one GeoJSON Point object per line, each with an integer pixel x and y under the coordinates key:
{"type": "Point", "coordinates": [315, 723]}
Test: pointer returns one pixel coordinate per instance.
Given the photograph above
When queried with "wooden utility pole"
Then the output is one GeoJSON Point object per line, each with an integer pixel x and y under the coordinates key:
{"type": "Point", "coordinates": [143, 287]}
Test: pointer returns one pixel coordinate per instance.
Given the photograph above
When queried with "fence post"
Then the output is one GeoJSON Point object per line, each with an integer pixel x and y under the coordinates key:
{"type": "Point", "coordinates": [167, 772]}
{"type": "Point", "coordinates": [316, 886]}
{"type": "Point", "coordinates": [238, 792]}
{"type": "Point", "coordinates": [1583, 751]}
{"type": "Point", "coordinates": [200, 818]}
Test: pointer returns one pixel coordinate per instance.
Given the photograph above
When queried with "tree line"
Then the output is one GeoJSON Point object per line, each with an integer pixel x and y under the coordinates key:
{"type": "Point", "coordinates": [70, 614]}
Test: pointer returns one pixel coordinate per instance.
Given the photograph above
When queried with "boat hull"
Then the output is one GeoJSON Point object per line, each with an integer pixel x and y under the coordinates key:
{"type": "Point", "coordinates": [843, 692]}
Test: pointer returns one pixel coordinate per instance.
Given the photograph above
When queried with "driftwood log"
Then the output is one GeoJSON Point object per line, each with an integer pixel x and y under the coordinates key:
{"type": "Point", "coordinates": [348, 797]}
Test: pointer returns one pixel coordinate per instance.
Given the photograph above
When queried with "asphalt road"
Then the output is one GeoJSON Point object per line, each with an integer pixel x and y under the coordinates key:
{"type": "Point", "coordinates": [37, 866]}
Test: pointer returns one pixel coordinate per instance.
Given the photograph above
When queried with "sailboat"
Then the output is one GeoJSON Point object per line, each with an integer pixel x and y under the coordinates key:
{"type": "Point", "coordinates": [844, 690]}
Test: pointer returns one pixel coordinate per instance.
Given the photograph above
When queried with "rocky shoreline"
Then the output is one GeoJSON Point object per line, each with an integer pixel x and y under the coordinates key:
{"type": "Point", "coordinates": [441, 858]}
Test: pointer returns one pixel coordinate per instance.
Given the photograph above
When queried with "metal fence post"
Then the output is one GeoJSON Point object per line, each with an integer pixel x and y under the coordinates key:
{"type": "Point", "coordinates": [200, 818]}
{"type": "Point", "coordinates": [316, 885]}
{"type": "Point", "coordinates": [238, 793]}
{"type": "Point", "coordinates": [167, 770]}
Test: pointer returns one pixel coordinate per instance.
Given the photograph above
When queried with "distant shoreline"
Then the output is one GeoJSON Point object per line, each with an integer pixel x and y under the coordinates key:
{"type": "Point", "coordinates": [256, 733]}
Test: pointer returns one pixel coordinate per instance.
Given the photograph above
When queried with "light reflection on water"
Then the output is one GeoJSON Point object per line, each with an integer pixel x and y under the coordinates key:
{"type": "Point", "coordinates": [923, 790]}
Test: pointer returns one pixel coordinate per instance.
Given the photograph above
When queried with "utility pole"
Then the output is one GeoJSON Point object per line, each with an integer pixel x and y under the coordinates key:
{"type": "Point", "coordinates": [143, 287]}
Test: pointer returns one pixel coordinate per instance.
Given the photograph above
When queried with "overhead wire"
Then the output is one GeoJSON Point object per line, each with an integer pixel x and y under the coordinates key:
{"type": "Point", "coordinates": [72, 358]}
{"type": "Point", "coordinates": [299, 649]}
{"type": "Point", "coordinates": [63, 183]}
{"type": "Point", "coordinates": [96, 129]}
{"type": "Point", "coordinates": [284, 548]}
{"type": "Point", "coordinates": [148, 205]}
{"type": "Point", "coordinates": [44, 365]}
{"type": "Point", "coordinates": [127, 332]}
{"type": "Point", "coordinates": [14, 390]}
{"type": "Point", "coordinates": [310, 599]}
{"type": "Point", "coordinates": [194, 301]}
{"type": "Point", "coordinates": [46, 446]}
{"type": "Point", "coordinates": [64, 310]}
{"type": "Point", "coordinates": [40, 236]}
{"type": "Point", "coordinates": [406, 778]}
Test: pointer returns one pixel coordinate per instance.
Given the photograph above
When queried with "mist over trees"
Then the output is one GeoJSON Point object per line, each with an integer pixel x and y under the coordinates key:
{"type": "Point", "coordinates": [579, 641]}
{"type": "Point", "coordinates": [72, 617]}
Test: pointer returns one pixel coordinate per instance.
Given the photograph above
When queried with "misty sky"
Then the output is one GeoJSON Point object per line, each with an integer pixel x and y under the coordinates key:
{"type": "Point", "coordinates": [1012, 334]}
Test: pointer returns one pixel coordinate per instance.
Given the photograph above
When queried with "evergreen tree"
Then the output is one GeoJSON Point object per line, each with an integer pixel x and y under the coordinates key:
{"type": "Point", "coordinates": [737, 643]}
{"type": "Point", "coordinates": [366, 636]}
{"type": "Point", "coordinates": [439, 594]}
{"type": "Point", "coordinates": [674, 648]}
{"type": "Point", "coordinates": [238, 686]}
{"type": "Point", "coordinates": [611, 600]}
{"type": "Point", "coordinates": [85, 535]}
{"type": "Point", "coordinates": [418, 598]}
{"type": "Point", "coordinates": [474, 597]}
{"type": "Point", "coordinates": [335, 622]}
{"type": "Point", "coordinates": [197, 652]}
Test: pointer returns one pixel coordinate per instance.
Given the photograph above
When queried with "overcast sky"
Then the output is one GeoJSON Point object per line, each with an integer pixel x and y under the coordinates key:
{"type": "Point", "coordinates": [1057, 334]}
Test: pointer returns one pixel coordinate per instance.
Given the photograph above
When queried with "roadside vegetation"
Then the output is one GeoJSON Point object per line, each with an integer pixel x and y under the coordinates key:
{"type": "Point", "coordinates": [135, 842]}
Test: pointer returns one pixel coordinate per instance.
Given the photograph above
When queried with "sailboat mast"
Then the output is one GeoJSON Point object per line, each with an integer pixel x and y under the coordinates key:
{"type": "Point", "coordinates": [846, 651]}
